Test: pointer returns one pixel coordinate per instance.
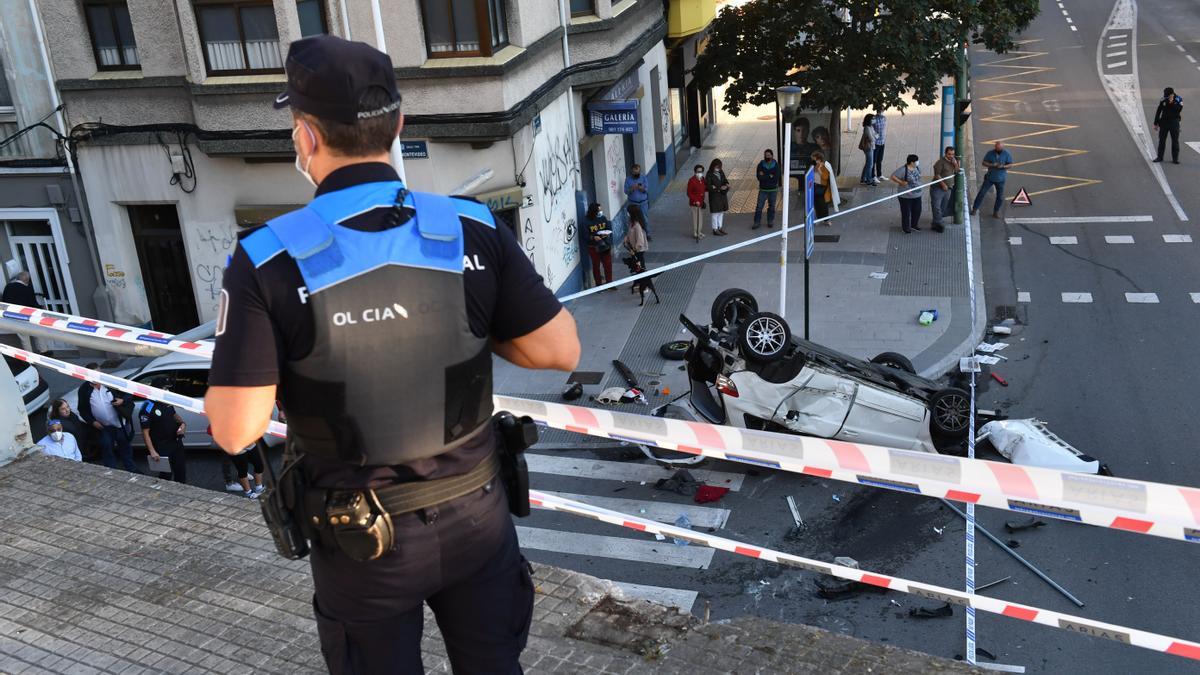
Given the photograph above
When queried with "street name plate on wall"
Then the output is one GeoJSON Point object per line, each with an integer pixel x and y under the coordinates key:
{"type": "Point", "coordinates": [414, 149]}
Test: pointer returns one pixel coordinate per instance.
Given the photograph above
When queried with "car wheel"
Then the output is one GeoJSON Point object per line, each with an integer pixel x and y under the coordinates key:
{"type": "Point", "coordinates": [732, 307]}
{"type": "Point", "coordinates": [675, 351]}
{"type": "Point", "coordinates": [764, 337]}
{"type": "Point", "coordinates": [950, 411]}
{"type": "Point", "coordinates": [896, 361]}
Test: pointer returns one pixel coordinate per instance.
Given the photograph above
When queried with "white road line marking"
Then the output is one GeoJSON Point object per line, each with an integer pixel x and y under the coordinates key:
{"type": "Point", "coordinates": [1023, 296]}
{"type": "Point", "coordinates": [1014, 241]}
{"type": "Point", "coordinates": [626, 471]}
{"type": "Point", "coordinates": [1113, 54]}
{"type": "Point", "coordinates": [1069, 20]}
{"type": "Point", "coordinates": [1117, 42]}
{"type": "Point", "coordinates": [620, 548]}
{"type": "Point", "coordinates": [1076, 297]}
{"type": "Point", "coordinates": [1124, 90]}
{"type": "Point", "coordinates": [1180, 48]}
{"type": "Point", "coordinates": [1074, 28]}
{"type": "Point", "coordinates": [1177, 238]}
{"type": "Point", "coordinates": [1064, 241]}
{"type": "Point", "coordinates": [1195, 145]}
{"type": "Point", "coordinates": [1142, 298]}
{"type": "Point", "coordinates": [1066, 220]}
{"type": "Point", "coordinates": [663, 512]}
{"type": "Point", "coordinates": [1190, 58]}
{"type": "Point", "coordinates": [1118, 64]}
{"type": "Point", "coordinates": [1170, 38]}
{"type": "Point", "coordinates": [1065, 13]}
{"type": "Point", "coordinates": [1195, 297]}
{"type": "Point", "coordinates": [671, 597]}
{"type": "Point", "coordinates": [1119, 239]}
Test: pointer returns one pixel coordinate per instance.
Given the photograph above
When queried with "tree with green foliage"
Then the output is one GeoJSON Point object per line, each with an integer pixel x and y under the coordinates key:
{"type": "Point", "coordinates": [851, 53]}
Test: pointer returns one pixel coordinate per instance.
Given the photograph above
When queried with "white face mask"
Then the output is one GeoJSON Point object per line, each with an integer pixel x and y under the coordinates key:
{"type": "Point", "coordinates": [917, 164]}
{"type": "Point", "coordinates": [304, 170]}
{"type": "Point", "coordinates": [57, 436]}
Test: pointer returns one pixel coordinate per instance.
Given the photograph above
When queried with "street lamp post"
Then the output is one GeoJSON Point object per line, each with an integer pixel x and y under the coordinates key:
{"type": "Point", "coordinates": [788, 99]}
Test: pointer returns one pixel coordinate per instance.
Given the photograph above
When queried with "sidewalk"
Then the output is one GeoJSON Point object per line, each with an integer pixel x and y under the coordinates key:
{"type": "Point", "coordinates": [105, 572]}
{"type": "Point", "coordinates": [851, 311]}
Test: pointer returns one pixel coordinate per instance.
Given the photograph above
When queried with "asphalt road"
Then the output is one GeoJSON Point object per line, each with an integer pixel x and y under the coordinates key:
{"type": "Point", "coordinates": [1113, 377]}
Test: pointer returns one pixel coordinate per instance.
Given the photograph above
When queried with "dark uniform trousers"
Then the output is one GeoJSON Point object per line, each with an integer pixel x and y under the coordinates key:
{"type": "Point", "coordinates": [462, 558]}
{"type": "Point", "coordinates": [1169, 128]}
{"type": "Point", "coordinates": [173, 450]}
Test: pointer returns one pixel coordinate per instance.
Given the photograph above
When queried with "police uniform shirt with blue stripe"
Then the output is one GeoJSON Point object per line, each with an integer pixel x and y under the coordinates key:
{"type": "Point", "coordinates": [375, 323]}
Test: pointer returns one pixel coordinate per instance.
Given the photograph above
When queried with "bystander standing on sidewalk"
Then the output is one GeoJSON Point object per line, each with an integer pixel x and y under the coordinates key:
{"type": "Point", "coordinates": [997, 160]}
{"type": "Point", "coordinates": [20, 291]}
{"type": "Point", "coordinates": [867, 145]}
{"type": "Point", "coordinates": [825, 192]}
{"type": "Point", "coordinates": [767, 173]}
{"type": "Point", "coordinates": [718, 195]}
{"type": "Point", "coordinates": [880, 125]}
{"type": "Point", "coordinates": [906, 178]}
{"type": "Point", "coordinates": [696, 191]}
{"type": "Point", "coordinates": [59, 443]}
{"type": "Point", "coordinates": [242, 462]}
{"type": "Point", "coordinates": [639, 196]}
{"type": "Point", "coordinates": [1166, 121]}
{"type": "Point", "coordinates": [636, 242]}
{"type": "Point", "coordinates": [599, 243]}
{"type": "Point", "coordinates": [98, 407]}
{"type": "Point", "coordinates": [944, 171]}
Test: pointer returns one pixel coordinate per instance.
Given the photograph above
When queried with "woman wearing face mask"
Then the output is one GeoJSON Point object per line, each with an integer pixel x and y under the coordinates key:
{"type": "Point", "coordinates": [867, 144]}
{"type": "Point", "coordinates": [905, 178]}
{"type": "Point", "coordinates": [58, 443]}
{"type": "Point", "coordinates": [695, 194]}
{"type": "Point", "coordinates": [599, 243]}
{"type": "Point", "coordinates": [718, 196]}
{"type": "Point", "coordinates": [71, 423]}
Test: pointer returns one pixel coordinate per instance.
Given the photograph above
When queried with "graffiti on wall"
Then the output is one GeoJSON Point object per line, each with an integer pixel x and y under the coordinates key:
{"type": "Point", "coordinates": [614, 163]}
{"type": "Point", "coordinates": [556, 173]}
{"type": "Point", "coordinates": [209, 248]}
{"type": "Point", "coordinates": [549, 236]}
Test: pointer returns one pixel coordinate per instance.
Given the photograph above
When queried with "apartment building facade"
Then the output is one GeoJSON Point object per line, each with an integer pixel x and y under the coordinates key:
{"type": "Point", "coordinates": [42, 222]}
{"type": "Point", "coordinates": [535, 107]}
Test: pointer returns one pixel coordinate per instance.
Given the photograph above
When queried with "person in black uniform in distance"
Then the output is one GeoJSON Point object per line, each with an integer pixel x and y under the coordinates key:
{"type": "Point", "coordinates": [163, 430]}
{"type": "Point", "coordinates": [1166, 121]}
{"type": "Point", "coordinates": [423, 328]}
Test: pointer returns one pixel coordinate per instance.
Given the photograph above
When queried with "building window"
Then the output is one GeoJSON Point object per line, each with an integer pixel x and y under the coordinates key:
{"type": "Point", "coordinates": [312, 17]}
{"type": "Point", "coordinates": [583, 7]}
{"type": "Point", "coordinates": [112, 35]}
{"type": "Point", "coordinates": [455, 27]}
{"type": "Point", "coordinates": [6, 99]}
{"type": "Point", "coordinates": [239, 37]}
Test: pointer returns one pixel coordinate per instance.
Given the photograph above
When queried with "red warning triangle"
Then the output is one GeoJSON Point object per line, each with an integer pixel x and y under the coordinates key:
{"type": "Point", "coordinates": [1022, 199]}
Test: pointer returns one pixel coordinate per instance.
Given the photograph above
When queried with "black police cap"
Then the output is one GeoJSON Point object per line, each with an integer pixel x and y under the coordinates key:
{"type": "Point", "coordinates": [328, 77]}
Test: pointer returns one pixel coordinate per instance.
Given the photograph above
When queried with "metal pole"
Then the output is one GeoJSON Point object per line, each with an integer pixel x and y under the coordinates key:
{"type": "Point", "coordinates": [1004, 547]}
{"type": "Point", "coordinates": [787, 188]}
{"type": "Point", "coordinates": [960, 136]}
{"type": "Point", "coordinates": [778, 132]}
{"type": "Point", "coordinates": [807, 296]}
{"type": "Point", "coordinates": [396, 152]}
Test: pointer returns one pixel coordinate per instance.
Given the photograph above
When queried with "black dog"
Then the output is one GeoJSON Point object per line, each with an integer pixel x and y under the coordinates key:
{"type": "Point", "coordinates": [641, 285]}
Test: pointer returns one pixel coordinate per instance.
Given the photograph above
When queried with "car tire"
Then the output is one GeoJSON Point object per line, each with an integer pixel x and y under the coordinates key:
{"type": "Point", "coordinates": [950, 412]}
{"type": "Point", "coordinates": [764, 337]}
{"type": "Point", "coordinates": [675, 350]}
{"type": "Point", "coordinates": [896, 361]}
{"type": "Point", "coordinates": [732, 306]}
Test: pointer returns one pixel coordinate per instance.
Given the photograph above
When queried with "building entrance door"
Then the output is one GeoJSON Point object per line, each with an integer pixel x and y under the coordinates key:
{"type": "Point", "coordinates": [165, 272]}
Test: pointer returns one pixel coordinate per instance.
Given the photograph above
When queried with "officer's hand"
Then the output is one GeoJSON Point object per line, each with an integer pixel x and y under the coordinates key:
{"type": "Point", "coordinates": [118, 401]}
{"type": "Point", "coordinates": [154, 454]}
{"type": "Point", "coordinates": [98, 426]}
{"type": "Point", "coordinates": [1156, 127]}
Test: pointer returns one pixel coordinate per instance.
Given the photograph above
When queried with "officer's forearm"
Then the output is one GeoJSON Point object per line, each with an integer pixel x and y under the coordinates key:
{"type": "Point", "coordinates": [553, 346]}
{"type": "Point", "coordinates": [239, 415]}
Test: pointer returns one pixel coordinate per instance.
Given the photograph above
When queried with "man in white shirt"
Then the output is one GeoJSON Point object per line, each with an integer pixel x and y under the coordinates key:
{"type": "Point", "coordinates": [98, 407]}
{"type": "Point", "coordinates": [59, 443]}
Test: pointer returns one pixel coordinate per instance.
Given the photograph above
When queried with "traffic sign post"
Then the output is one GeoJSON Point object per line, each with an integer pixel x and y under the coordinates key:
{"type": "Point", "coordinates": [810, 178]}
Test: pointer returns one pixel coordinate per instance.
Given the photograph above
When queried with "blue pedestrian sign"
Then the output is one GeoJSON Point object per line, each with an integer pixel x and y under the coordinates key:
{"type": "Point", "coordinates": [809, 212]}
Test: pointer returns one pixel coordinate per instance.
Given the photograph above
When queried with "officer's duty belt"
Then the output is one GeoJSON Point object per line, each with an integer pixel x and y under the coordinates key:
{"type": "Point", "coordinates": [417, 495]}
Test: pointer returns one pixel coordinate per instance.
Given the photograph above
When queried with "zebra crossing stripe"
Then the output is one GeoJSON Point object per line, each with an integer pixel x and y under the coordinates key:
{"type": "Point", "coordinates": [1177, 238]}
{"type": "Point", "coordinates": [1077, 297]}
{"type": "Point", "coordinates": [1142, 298]}
{"type": "Point", "coordinates": [601, 469]}
{"type": "Point", "coordinates": [617, 548]}
{"type": "Point", "coordinates": [671, 597]}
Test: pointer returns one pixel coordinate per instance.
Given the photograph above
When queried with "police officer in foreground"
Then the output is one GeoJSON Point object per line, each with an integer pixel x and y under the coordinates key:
{"type": "Point", "coordinates": [361, 315]}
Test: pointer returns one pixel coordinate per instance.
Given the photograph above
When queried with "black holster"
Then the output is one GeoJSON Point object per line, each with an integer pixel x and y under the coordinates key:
{"type": "Point", "coordinates": [513, 436]}
{"type": "Point", "coordinates": [280, 504]}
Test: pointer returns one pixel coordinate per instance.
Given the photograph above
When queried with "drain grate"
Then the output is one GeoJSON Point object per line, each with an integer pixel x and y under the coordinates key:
{"type": "Point", "coordinates": [585, 377]}
{"type": "Point", "coordinates": [827, 238]}
{"type": "Point", "coordinates": [926, 264]}
{"type": "Point", "coordinates": [1006, 312]}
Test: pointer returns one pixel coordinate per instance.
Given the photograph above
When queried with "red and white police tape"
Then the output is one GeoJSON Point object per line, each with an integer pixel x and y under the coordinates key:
{"type": "Point", "coordinates": [79, 325]}
{"type": "Point", "coordinates": [1168, 511]}
{"type": "Point", "coordinates": [1125, 635]}
{"type": "Point", "coordinates": [1158, 509]}
{"type": "Point", "coordinates": [1075, 624]}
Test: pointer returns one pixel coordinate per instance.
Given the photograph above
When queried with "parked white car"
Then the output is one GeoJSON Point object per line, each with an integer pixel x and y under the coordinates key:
{"type": "Point", "coordinates": [35, 392]}
{"type": "Point", "coordinates": [191, 379]}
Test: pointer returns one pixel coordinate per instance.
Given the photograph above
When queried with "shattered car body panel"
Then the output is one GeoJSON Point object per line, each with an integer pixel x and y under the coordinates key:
{"type": "Point", "coordinates": [1028, 442]}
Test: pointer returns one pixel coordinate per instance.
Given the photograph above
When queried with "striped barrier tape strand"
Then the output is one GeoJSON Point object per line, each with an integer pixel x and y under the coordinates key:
{"type": "Point", "coordinates": [969, 584]}
{"type": "Point", "coordinates": [1168, 511]}
{"type": "Point", "coordinates": [79, 325]}
{"type": "Point", "coordinates": [1045, 617]}
{"type": "Point", "coordinates": [1154, 641]}
{"type": "Point", "coordinates": [1163, 510]}
{"type": "Point", "coordinates": [121, 384]}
